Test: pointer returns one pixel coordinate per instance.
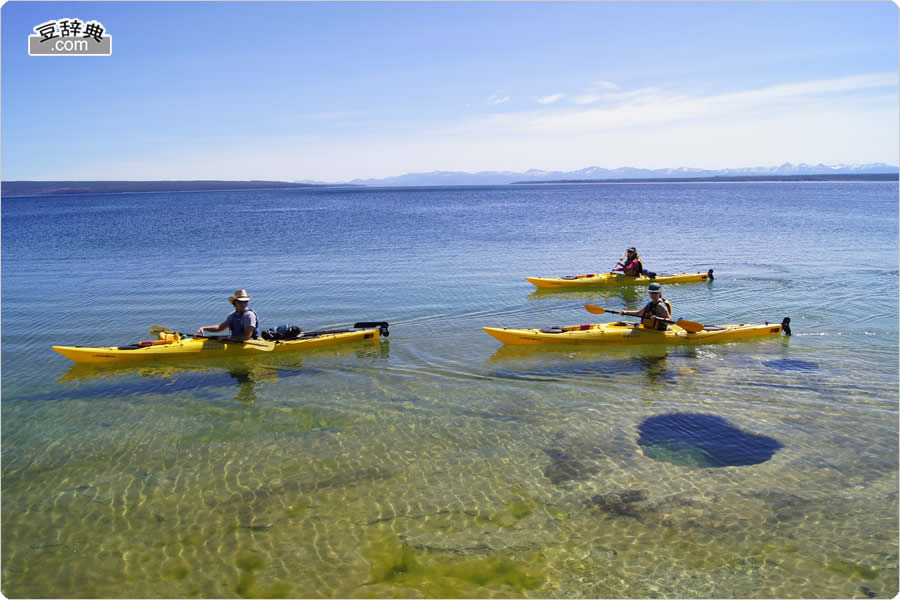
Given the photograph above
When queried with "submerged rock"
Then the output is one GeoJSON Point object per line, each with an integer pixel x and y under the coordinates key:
{"type": "Point", "coordinates": [700, 440]}
{"type": "Point", "coordinates": [577, 455]}
{"type": "Point", "coordinates": [565, 467]}
{"type": "Point", "coordinates": [792, 364]}
{"type": "Point", "coordinates": [622, 502]}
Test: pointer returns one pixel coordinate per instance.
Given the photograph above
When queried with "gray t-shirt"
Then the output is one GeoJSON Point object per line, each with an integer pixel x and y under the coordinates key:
{"type": "Point", "coordinates": [238, 321]}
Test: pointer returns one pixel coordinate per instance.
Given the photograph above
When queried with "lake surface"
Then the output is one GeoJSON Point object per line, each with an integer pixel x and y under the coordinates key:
{"type": "Point", "coordinates": [438, 463]}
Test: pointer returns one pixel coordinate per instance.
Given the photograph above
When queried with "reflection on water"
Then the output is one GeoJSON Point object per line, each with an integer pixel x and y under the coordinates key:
{"type": "Point", "coordinates": [654, 368]}
{"type": "Point", "coordinates": [617, 296]}
{"type": "Point", "coordinates": [86, 381]}
{"type": "Point", "coordinates": [247, 379]}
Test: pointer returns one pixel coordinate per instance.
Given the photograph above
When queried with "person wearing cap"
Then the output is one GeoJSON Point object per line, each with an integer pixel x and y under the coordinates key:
{"type": "Point", "coordinates": [658, 308]}
{"type": "Point", "coordinates": [243, 322]}
{"type": "Point", "coordinates": [632, 265]}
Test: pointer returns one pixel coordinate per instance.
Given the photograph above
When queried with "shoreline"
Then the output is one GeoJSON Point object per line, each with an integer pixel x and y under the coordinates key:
{"type": "Point", "coordinates": [25, 189]}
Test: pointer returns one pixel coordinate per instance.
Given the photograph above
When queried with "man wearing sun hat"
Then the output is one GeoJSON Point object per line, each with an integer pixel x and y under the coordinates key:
{"type": "Point", "coordinates": [243, 322]}
{"type": "Point", "coordinates": [658, 308]}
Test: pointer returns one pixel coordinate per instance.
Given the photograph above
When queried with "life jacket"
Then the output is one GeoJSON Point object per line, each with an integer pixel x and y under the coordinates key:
{"type": "Point", "coordinates": [636, 268]}
{"type": "Point", "coordinates": [235, 326]}
{"type": "Point", "coordinates": [650, 309]}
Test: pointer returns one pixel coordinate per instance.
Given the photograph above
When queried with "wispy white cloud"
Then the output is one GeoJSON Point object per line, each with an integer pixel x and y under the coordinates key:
{"type": "Point", "coordinates": [587, 98]}
{"type": "Point", "coordinates": [498, 99]}
{"type": "Point", "coordinates": [649, 107]}
{"type": "Point", "coordinates": [551, 99]}
{"type": "Point", "coordinates": [849, 119]}
{"type": "Point", "coordinates": [599, 90]}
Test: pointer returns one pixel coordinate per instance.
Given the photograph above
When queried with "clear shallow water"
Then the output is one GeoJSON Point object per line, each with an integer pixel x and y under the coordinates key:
{"type": "Point", "coordinates": [439, 463]}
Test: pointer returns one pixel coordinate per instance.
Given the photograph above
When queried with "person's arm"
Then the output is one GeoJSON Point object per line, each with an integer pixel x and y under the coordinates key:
{"type": "Point", "coordinates": [633, 313]}
{"type": "Point", "coordinates": [623, 267]}
{"type": "Point", "coordinates": [212, 328]}
{"type": "Point", "coordinates": [652, 315]}
{"type": "Point", "coordinates": [665, 311]}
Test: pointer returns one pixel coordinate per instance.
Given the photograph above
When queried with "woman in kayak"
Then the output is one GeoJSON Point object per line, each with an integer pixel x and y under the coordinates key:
{"type": "Point", "coordinates": [243, 322]}
{"type": "Point", "coordinates": [632, 265]}
{"type": "Point", "coordinates": [658, 308]}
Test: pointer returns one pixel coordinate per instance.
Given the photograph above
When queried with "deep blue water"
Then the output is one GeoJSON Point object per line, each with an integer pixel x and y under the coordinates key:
{"type": "Point", "coordinates": [441, 410]}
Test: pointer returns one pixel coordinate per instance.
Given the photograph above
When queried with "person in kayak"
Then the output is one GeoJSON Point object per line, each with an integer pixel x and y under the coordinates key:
{"type": "Point", "coordinates": [658, 308]}
{"type": "Point", "coordinates": [243, 322]}
{"type": "Point", "coordinates": [632, 265]}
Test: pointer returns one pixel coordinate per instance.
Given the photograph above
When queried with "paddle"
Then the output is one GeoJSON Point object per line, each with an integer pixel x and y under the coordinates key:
{"type": "Point", "coordinates": [689, 326]}
{"type": "Point", "coordinates": [621, 260]}
{"type": "Point", "coordinates": [261, 345]}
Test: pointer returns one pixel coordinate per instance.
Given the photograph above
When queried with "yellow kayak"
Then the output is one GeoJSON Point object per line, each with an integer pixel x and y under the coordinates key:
{"type": "Point", "coordinates": [172, 346]}
{"type": "Point", "coordinates": [633, 333]}
{"type": "Point", "coordinates": [614, 279]}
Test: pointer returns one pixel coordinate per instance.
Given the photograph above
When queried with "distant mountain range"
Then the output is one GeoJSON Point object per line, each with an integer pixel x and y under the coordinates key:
{"type": "Point", "coordinates": [439, 178]}
{"type": "Point", "coordinates": [786, 172]}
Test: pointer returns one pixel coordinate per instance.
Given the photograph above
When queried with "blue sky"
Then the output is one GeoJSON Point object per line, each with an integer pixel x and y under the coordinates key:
{"type": "Point", "coordinates": [335, 91]}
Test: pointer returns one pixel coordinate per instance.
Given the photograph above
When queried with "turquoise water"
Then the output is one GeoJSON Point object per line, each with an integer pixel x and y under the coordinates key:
{"type": "Point", "coordinates": [439, 463]}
